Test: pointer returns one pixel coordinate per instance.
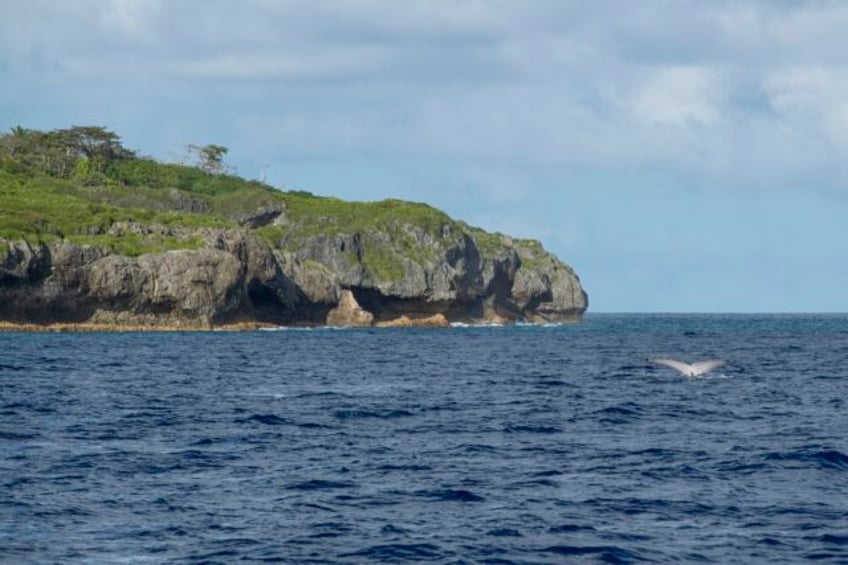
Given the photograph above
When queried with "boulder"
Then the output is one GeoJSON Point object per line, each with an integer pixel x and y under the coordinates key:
{"type": "Point", "coordinates": [434, 321]}
{"type": "Point", "coordinates": [349, 313]}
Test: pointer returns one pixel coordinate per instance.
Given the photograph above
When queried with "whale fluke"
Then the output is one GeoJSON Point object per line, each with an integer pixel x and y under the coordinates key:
{"type": "Point", "coordinates": [690, 370]}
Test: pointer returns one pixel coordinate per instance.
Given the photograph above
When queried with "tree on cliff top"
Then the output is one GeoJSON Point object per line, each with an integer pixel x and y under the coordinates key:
{"type": "Point", "coordinates": [210, 158]}
{"type": "Point", "coordinates": [58, 152]}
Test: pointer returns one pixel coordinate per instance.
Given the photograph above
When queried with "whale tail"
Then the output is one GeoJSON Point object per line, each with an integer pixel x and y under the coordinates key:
{"type": "Point", "coordinates": [689, 369]}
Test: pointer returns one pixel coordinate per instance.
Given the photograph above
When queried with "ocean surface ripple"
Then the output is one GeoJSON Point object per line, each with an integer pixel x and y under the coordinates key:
{"type": "Point", "coordinates": [469, 445]}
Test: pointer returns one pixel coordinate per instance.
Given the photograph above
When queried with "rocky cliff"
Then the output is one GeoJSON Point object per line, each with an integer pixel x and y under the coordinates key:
{"type": "Point", "coordinates": [235, 275]}
{"type": "Point", "coordinates": [90, 233]}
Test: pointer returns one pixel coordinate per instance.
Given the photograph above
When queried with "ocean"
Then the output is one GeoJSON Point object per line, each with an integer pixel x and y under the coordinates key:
{"type": "Point", "coordinates": [498, 445]}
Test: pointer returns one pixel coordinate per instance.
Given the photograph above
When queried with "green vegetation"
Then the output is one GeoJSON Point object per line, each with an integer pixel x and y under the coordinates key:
{"type": "Point", "coordinates": [384, 264]}
{"type": "Point", "coordinates": [44, 208]}
{"type": "Point", "coordinates": [408, 226]}
{"type": "Point", "coordinates": [75, 184]}
{"type": "Point", "coordinates": [531, 253]}
{"type": "Point", "coordinates": [490, 244]}
{"type": "Point", "coordinates": [133, 245]}
{"type": "Point", "coordinates": [210, 157]}
{"type": "Point", "coordinates": [315, 215]}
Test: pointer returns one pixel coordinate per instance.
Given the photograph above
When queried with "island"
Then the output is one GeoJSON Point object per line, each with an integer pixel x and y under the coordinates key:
{"type": "Point", "coordinates": [95, 236]}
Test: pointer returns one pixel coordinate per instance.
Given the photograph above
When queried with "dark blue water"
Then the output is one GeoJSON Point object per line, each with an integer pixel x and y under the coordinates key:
{"type": "Point", "coordinates": [468, 445]}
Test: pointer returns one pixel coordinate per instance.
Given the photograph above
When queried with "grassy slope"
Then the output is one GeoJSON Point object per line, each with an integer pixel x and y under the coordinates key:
{"type": "Point", "coordinates": [38, 207]}
{"type": "Point", "coordinates": [75, 184]}
{"type": "Point", "coordinates": [43, 208]}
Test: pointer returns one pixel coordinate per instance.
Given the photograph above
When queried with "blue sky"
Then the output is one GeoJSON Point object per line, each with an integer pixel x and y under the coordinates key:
{"type": "Point", "coordinates": [682, 156]}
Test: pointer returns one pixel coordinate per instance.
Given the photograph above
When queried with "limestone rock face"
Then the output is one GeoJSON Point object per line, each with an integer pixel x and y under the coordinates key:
{"type": "Point", "coordinates": [262, 216]}
{"type": "Point", "coordinates": [24, 262]}
{"type": "Point", "coordinates": [349, 313]}
{"type": "Point", "coordinates": [399, 275]}
{"type": "Point", "coordinates": [409, 272]}
{"type": "Point", "coordinates": [192, 287]}
{"type": "Point", "coordinates": [235, 278]}
{"type": "Point", "coordinates": [545, 289]}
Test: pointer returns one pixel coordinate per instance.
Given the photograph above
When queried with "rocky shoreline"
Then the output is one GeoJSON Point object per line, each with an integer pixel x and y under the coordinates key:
{"type": "Point", "coordinates": [235, 280]}
{"type": "Point", "coordinates": [435, 322]}
{"type": "Point", "coordinates": [92, 328]}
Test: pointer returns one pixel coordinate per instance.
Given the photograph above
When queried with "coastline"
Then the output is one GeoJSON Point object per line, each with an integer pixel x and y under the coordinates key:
{"type": "Point", "coordinates": [398, 323]}
{"type": "Point", "coordinates": [65, 327]}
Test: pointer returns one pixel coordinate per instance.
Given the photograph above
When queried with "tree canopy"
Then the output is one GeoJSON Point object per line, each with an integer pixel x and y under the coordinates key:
{"type": "Point", "coordinates": [60, 152]}
{"type": "Point", "coordinates": [210, 157]}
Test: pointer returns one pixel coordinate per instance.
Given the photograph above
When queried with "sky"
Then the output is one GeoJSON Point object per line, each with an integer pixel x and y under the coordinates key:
{"type": "Point", "coordinates": [682, 156]}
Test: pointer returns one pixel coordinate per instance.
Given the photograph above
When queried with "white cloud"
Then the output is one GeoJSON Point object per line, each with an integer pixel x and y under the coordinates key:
{"type": "Point", "coordinates": [713, 88]}
{"type": "Point", "coordinates": [678, 96]}
{"type": "Point", "coordinates": [812, 97]}
{"type": "Point", "coordinates": [129, 17]}
{"type": "Point", "coordinates": [331, 62]}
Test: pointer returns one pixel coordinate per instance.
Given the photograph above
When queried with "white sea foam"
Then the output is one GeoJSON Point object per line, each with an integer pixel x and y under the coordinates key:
{"type": "Point", "coordinates": [480, 325]}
